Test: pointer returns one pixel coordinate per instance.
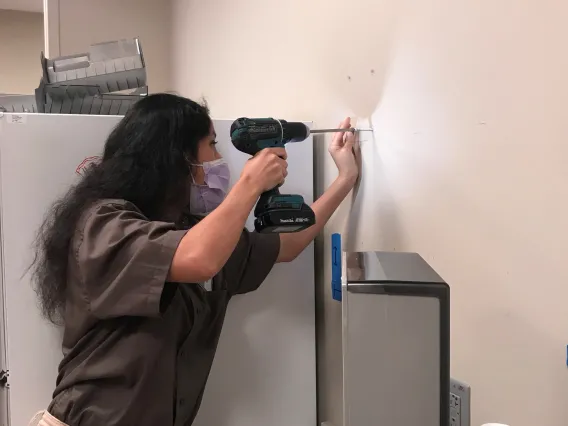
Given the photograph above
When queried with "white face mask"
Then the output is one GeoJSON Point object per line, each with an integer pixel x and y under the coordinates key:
{"type": "Point", "coordinates": [205, 198]}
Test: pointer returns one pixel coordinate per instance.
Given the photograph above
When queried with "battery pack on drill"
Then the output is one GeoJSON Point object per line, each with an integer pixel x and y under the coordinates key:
{"type": "Point", "coordinates": [282, 213]}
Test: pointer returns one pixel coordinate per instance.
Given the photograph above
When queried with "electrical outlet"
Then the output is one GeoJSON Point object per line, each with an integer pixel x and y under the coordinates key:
{"type": "Point", "coordinates": [460, 403]}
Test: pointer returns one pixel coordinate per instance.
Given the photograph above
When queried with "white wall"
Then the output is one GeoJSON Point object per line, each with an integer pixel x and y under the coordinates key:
{"type": "Point", "coordinates": [21, 43]}
{"type": "Point", "coordinates": [84, 22]}
{"type": "Point", "coordinates": [467, 166]}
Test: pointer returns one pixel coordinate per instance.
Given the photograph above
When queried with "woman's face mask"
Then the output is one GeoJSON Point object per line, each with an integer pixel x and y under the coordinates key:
{"type": "Point", "coordinates": [205, 198]}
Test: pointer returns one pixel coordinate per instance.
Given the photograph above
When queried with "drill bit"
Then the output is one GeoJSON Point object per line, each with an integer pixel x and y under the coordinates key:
{"type": "Point", "coordinates": [353, 130]}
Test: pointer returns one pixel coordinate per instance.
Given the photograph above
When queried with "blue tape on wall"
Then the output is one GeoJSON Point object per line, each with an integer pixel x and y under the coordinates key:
{"type": "Point", "coordinates": [336, 267]}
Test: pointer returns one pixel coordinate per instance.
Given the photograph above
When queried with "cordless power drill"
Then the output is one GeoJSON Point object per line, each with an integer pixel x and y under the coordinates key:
{"type": "Point", "coordinates": [274, 212]}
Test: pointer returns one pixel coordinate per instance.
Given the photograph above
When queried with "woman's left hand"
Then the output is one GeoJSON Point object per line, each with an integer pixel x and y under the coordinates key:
{"type": "Point", "coordinates": [342, 150]}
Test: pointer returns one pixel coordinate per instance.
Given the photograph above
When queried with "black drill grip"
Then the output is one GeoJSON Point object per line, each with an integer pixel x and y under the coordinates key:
{"type": "Point", "coordinates": [264, 200]}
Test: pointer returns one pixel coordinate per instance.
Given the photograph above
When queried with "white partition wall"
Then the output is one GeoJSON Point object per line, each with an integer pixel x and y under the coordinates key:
{"type": "Point", "coordinates": [264, 372]}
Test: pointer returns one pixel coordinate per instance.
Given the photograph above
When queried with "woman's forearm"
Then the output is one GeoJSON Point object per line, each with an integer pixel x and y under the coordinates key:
{"type": "Point", "coordinates": [207, 246]}
{"type": "Point", "coordinates": [291, 245]}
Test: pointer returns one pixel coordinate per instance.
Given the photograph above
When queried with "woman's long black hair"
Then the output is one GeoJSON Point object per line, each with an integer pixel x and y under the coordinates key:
{"type": "Point", "coordinates": [145, 161]}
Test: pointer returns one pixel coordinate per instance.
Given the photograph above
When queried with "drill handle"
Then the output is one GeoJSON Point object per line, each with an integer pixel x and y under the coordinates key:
{"type": "Point", "coordinates": [269, 193]}
{"type": "Point", "coordinates": [264, 200]}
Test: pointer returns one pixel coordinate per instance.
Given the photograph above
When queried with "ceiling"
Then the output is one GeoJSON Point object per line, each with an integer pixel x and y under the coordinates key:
{"type": "Point", "coordinates": [23, 5]}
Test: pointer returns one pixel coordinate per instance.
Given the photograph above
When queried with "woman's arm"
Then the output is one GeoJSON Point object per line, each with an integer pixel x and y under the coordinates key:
{"type": "Point", "coordinates": [206, 247]}
{"type": "Point", "coordinates": [343, 150]}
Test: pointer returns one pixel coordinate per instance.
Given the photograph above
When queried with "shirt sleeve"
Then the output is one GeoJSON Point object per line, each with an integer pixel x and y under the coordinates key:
{"type": "Point", "coordinates": [251, 261]}
{"type": "Point", "coordinates": [123, 260]}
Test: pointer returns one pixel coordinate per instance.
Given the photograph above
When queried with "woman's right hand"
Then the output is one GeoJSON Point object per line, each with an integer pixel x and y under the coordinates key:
{"type": "Point", "coordinates": [266, 170]}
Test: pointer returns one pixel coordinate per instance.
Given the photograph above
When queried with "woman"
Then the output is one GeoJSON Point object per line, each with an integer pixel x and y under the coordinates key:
{"type": "Point", "coordinates": [120, 254]}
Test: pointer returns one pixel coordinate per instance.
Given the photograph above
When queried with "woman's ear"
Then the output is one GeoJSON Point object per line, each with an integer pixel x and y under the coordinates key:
{"type": "Point", "coordinates": [197, 175]}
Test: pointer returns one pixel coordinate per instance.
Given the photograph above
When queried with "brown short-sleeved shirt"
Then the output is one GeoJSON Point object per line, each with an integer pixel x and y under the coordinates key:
{"type": "Point", "coordinates": [137, 349]}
